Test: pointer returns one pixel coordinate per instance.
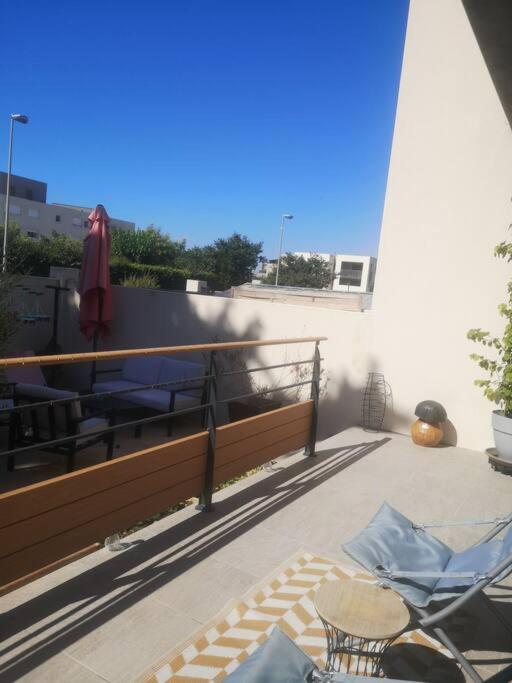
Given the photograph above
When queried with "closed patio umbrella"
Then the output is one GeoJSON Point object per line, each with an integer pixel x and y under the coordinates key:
{"type": "Point", "coordinates": [94, 286]}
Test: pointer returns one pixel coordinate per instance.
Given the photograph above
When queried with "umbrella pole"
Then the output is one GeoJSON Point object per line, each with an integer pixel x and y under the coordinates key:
{"type": "Point", "coordinates": [95, 337]}
{"type": "Point", "coordinates": [94, 349]}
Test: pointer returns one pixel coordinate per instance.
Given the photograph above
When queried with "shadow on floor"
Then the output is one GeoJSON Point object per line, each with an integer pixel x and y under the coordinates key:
{"type": "Point", "coordinates": [177, 549]}
{"type": "Point", "coordinates": [410, 662]}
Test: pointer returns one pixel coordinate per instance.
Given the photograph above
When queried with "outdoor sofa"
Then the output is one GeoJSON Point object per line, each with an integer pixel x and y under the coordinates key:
{"type": "Point", "coordinates": [141, 381]}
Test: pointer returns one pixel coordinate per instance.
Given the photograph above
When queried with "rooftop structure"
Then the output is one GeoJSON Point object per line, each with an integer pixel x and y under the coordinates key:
{"type": "Point", "coordinates": [35, 217]}
{"type": "Point", "coordinates": [304, 296]}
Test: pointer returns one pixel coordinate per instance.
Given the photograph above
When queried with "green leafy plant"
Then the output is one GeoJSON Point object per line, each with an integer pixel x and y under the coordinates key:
{"type": "Point", "coordinates": [296, 271]}
{"type": "Point", "coordinates": [8, 319]}
{"type": "Point", "coordinates": [498, 387]}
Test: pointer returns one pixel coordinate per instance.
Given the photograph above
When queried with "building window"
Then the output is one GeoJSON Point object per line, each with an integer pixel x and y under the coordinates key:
{"type": "Point", "coordinates": [57, 218]}
{"type": "Point", "coordinates": [86, 224]}
{"type": "Point", "coordinates": [33, 213]}
{"type": "Point", "coordinates": [33, 235]}
{"type": "Point", "coordinates": [77, 221]}
{"type": "Point", "coordinates": [29, 194]}
{"type": "Point", "coordinates": [15, 210]}
{"type": "Point", "coordinates": [12, 191]}
{"type": "Point", "coordinates": [351, 273]}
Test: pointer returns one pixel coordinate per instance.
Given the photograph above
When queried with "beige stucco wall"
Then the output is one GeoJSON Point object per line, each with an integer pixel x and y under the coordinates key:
{"type": "Point", "coordinates": [447, 205]}
{"type": "Point", "coordinates": [159, 318]}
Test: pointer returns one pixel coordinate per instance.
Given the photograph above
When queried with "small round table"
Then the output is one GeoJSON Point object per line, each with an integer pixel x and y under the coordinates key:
{"type": "Point", "coordinates": [361, 621]}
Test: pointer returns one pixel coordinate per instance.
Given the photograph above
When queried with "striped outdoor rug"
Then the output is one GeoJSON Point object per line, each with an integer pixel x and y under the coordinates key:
{"type": "Point", "coordinates": [286, 599]}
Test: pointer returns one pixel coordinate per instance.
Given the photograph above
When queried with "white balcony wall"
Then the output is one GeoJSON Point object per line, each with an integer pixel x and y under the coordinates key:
{"type": "Point", "coordinates": [447, 205]}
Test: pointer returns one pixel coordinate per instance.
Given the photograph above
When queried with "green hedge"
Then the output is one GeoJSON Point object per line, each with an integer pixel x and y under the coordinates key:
{"type": "Point", "coordinates": [166, 276]}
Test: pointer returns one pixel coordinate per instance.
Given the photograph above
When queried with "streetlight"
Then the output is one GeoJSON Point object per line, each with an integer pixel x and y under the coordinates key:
{"type": "Point", "coordinates": [20, 118]}
{"type": "Point", "coordinates": [284, 217]}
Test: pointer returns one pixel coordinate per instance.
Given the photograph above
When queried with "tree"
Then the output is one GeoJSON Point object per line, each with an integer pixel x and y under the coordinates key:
{"type": "Point", "coordinates": [34, 257]}
{"type": "Point", "coordinates": [235, 259]}
{"type": "Point", "coordinates": [149, 246]}
{"type": "Point", "coordinates": [296, 271]}
{"type": "Point", "coordinates": [197, 259]}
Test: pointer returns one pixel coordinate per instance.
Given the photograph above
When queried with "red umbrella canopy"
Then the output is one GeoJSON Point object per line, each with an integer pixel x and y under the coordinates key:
{"type": "Point", "coordinates": [94, 287]}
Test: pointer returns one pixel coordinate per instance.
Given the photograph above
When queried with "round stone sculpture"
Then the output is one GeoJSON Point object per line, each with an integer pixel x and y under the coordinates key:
{"type": "Point", "coordinates": [427, 430]}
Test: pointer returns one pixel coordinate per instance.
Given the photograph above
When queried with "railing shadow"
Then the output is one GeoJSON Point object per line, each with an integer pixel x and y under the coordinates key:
{"type": "Point", "coordinates": [177, 549]}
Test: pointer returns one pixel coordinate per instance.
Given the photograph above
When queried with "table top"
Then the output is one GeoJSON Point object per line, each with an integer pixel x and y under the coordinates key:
{"type": "Point", "coordinates": [362, 609]}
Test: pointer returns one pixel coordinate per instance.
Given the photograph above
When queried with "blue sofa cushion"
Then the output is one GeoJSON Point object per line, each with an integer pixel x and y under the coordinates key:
{"type": "Point", "coordinates": [142, 369]}
{"type": "Point", "coordinates": [173, 369]}
{"type": "Point", "coordinates": [158, 399]}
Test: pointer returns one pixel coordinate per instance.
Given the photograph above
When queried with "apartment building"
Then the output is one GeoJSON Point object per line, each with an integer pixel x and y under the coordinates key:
{"type": "Point", "coordinates": [354, 273]}
{"type": "Point", "coordinates": [29, 209]}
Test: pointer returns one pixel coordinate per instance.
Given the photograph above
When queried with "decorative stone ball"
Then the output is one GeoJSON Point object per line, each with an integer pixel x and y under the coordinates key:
{"type": "Point", "coordinates": [426, 434]}
{"type": "Point", "coordinates": [431, 412]}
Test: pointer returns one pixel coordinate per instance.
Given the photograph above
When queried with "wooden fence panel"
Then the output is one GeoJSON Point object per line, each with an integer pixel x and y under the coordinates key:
{"type": "Point", "coordinates": [256, 440]}
{"type": "Point", "coordinates": [48, 521]}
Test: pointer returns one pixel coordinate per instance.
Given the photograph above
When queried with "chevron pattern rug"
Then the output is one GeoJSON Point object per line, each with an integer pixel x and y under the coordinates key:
{"type": "Point", "coordinates": [287, 600]}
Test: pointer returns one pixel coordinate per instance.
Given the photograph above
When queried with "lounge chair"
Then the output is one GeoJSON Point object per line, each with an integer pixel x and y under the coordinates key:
{"type": "Point", "coordinates": [279, 660]}
{"type": "Point", "coordinates": [425, 571]}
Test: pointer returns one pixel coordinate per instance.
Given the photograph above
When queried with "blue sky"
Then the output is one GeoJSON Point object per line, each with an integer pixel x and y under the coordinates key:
{"type": "Point", "coordinates": [210, 116]}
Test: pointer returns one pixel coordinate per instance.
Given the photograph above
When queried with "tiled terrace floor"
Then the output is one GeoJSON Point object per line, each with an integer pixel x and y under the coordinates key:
{"type": "Point", "coordinates": [110, 615]}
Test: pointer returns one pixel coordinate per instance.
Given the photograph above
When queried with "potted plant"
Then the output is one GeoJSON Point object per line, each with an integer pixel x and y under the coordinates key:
{"type": "Point", "coordinates": [498, 387]}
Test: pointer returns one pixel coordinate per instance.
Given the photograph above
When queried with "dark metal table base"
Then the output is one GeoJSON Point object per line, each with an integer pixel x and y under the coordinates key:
{"type": "Point", "coordinates": [359, 656]}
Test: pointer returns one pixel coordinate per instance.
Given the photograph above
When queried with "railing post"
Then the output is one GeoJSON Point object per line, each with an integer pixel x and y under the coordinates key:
{"type": "Point", "coordinates": [205, 501]}
{"type": "Point", "coordinates": [315, 397]}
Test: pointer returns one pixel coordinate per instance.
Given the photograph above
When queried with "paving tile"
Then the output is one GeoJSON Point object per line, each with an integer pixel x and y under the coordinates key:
{"type": "Point", "coordinates": [113, 614]}
{"type": "Point", "coordinates": [122, 646]}
{"type": "Point", "coordinates": [204, 589]}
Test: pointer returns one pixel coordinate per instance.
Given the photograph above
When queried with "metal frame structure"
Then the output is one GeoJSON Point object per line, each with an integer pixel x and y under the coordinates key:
{"type": "Point", "coordinates": [432, 620]}
{"type": "Point", "coordinates": [208, 405]}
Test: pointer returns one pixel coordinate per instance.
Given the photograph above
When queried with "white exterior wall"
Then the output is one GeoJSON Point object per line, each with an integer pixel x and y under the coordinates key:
{"type": "Point", "coordinates": [447, 205]}
{"type": "Point", "coordinates": [152, 317]}
{"type": "Point", "coordinates": [367, 277]}
{"type": "Point", "coordinates": [72, 220]}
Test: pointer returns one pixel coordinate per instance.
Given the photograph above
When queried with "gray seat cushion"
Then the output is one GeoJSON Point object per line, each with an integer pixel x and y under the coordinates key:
{"type": "Point", "coordinates": [391, 542]}
{"type": "Point", "coordinates": [280, 660]}
{"type": "Point", "coordinates": [277, 660]}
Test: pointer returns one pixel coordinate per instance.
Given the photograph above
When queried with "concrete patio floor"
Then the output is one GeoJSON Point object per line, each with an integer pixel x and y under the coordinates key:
{"type": "Point", "coordinates": [109, 616]}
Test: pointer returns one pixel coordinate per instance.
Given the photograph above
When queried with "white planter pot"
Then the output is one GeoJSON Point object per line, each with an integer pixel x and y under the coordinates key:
{"type": "Point", "coordinates": [502, 428]}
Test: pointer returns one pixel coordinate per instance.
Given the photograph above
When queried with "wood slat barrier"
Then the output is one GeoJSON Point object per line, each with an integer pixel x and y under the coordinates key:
{"type": "Point", "coordinates": [251, 442]}
{"type": "Point", "coordinates": [43, 523]}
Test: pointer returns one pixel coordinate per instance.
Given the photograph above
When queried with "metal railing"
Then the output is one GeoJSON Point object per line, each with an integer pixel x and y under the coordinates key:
{"type": "Point", "coordinates": [210, 400]}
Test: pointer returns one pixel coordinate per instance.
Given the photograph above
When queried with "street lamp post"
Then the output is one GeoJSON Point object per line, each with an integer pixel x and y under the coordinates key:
{"type": "Point", "coordinates": [285, 216]}
{"type": "Point", "coordinates": [20, 118]}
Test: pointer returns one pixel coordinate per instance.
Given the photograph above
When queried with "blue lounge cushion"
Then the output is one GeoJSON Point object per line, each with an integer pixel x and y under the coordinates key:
{"type": "Point", "coordinates": [390, 541]}
{"type": "Point", "coordinates": [278, 659]}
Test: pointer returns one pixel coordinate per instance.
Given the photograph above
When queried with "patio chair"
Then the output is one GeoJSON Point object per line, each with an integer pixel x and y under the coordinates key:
{"type": "Point", "coordinates": [43, 424]}
{"type": "Point", "coordinates": [425, 571]}
{"type": "Point", "coordinates": [280, 660]}
{"type": "Point", "coordinates": [30, 374]}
